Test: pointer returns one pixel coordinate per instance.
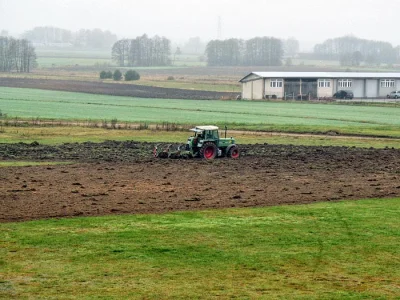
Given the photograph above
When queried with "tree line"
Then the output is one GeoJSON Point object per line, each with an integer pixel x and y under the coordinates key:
{"type": "Point", "coordinates": [142, 51]}
{"type": "Point", "coordinates": [85, 38]}
{"type": "Point", "coordinates": [258, 51]}
{"type": "Point", "coordinates": [16, 55]}
{"type": "Point", "coordinates": [352, 51]}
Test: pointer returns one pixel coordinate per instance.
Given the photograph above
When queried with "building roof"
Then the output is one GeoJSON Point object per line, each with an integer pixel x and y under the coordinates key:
{"type": "Point", "coordinates": [202, 128]}
{"type": "Point", "coordinates": [319, 75]}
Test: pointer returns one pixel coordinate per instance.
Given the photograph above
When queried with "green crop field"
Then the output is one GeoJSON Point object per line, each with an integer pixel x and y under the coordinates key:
{"type": "Point", "coordinates": [344, 250]}
{"type": "Point", "coordinates": [31, 103]}
{"type": "Point", "coordinates": [69, 57]}
{"type": "Point", "coordinates": [56, 62]}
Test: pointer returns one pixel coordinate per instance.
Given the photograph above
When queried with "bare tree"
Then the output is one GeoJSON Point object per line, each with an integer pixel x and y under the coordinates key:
{"type": "Point", "coordinates": [16, 55]}
{"type": "Point", "coordinates": [349, 50]}
{"type": "Point", "coordinates": [120, 52]}
{"type": "Point", "coordinates": [142, 51]}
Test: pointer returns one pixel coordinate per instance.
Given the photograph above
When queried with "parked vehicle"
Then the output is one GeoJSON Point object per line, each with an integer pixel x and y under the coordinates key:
{"type": "Point", "coordinates": [394, 95]}
{"type": "Point", "coordinates": [342, 94]}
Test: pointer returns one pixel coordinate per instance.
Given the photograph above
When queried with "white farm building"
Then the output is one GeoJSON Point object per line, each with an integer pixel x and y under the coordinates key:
{"type": "Point", "coordinates": [314, 85]}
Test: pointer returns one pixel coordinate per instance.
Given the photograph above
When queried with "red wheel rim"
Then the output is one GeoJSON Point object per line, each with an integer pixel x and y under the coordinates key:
{"type": "Point", "coordinates": [235, 153]}
{"type": "Point", "coordinates": [208, 152]}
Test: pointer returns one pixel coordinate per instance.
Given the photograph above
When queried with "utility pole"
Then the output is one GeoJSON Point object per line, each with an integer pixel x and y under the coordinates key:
{"type": "Point", "coordinates": [219, 31]}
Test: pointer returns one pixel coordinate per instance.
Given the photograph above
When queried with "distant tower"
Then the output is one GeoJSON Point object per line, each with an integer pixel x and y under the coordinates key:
{"type": "Point", "coordinates": [219, 32]}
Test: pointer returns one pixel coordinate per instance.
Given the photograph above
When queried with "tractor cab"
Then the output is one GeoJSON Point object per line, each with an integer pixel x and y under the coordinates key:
{"type": "Point", "coordinates": [201, 135]}
{"type": "Point", "coordinates": [206, 143]}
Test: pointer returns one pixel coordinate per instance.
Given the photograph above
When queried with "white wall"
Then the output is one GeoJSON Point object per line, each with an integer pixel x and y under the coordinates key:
{"type": "Point", "coordinates": [258, 89]}
{"type": "Point", "coordinates": [357, 88]}
{"type": "Point", "coordinates": [278, 91]}
{"type": "Point", "coordinates": [383, 92]}
{"type": "Point", "coordinates": [325, 91]}
{"type": "Point", "coordinates": [247, 90]}
{"type": "Point", "coordinates": [372, 88]}
{"type": "Point", "coordinates": [253, 90]}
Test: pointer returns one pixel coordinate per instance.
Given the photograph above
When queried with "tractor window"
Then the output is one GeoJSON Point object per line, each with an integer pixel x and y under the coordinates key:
{"type": "Point", "coordinates": [211, 135]}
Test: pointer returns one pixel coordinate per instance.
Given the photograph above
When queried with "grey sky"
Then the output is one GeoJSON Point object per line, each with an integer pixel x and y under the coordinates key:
{"type": "Point", "coordinates": [308, 20]}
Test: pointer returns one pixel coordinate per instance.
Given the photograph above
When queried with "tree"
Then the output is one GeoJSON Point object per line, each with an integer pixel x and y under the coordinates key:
{"type": "Point", "coordinates": [288, 62]}
{"type": "Point", "coordinates": [350, 50]}
{"type": "Point", "coordinates": [132, 75]}
{"type": "Point", "coordinates": [260, 51]}
{"type": "Point", "coordinates": [95, 38]}
{"type": "Point", "coordinates": [178, 51]}
{"type": "Point", "coordinates": [103, 75]}
{"type": "Point", "coordinates": [16, 55]}
{"type": "Point", "coordinates": [119, 52]}
{"type": "Point", "coordinates": [49, 35]}
{"type": "Point", "coordinates": [117, 75]}
{"type": "Point", "coordinates": [194, 46]}
{"type": "Point", "coordinates": [109, 75]}
{"type": "Point", "coordinates": [356, 58]}
{"type": "Point", "coordinates": [142, 51]}
{"type": "Point", "coordinates": [291, 47]}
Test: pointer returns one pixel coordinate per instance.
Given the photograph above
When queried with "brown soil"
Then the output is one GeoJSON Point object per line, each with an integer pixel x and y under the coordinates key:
{"type": "Point", "coordinates": [123, 178]}
{"type": "Point", "coordinates": [114, 89]}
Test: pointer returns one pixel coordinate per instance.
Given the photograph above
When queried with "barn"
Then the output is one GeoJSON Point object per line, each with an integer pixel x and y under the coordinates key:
{"type": "Point", "coordinates": [317, 85]}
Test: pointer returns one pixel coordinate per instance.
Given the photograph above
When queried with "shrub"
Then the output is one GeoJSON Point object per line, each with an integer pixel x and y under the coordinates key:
{"type": "Point", "coordinates": [106, 74]}
{"type": "Point", "coordinates": [132, 75]}
{"type": "Point", "coordinates": [170, 78]}
{"type": "Point", "coordinates": [103, 75]}
{"type": "Point", "coordinates": [117, 75]}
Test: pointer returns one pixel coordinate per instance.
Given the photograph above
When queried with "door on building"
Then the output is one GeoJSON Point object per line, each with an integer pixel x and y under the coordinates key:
{"type": "Point", "coordinates": [292, 89]}
{"type": "Point", "coordinates": [308, 89]}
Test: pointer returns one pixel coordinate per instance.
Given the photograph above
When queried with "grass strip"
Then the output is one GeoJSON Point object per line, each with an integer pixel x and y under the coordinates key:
{"type": "Point", "coordinates": [55, 135]}
{"type": "Point", "coordinates": [321, 251]}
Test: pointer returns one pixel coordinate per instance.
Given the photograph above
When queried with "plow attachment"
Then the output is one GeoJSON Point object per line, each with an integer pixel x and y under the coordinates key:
{"type": "Point", "coordinates": [167, 151]}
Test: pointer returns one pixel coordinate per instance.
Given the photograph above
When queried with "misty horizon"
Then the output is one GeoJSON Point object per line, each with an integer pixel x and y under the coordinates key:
{"type": "Point", "coordinates": [309, 21]}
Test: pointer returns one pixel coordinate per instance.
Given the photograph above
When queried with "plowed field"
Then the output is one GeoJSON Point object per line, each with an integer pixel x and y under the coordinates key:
{"type": "Point", "coordinates": [124, 178]}
{"type": "Point", "coordinates": [113, 89]}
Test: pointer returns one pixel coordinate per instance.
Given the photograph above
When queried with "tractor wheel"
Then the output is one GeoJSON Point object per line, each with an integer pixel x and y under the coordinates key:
{"type": "Point", "coordinates": [208, 151]}
{"type": "Point", "coordinates": [233, 152]}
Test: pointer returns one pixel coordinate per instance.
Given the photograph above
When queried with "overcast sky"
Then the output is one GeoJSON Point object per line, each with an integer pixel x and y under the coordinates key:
{"type": "Point", "coordinates": [310, 21]}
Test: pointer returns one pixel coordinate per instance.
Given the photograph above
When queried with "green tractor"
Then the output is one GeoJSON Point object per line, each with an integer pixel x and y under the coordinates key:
{"type": "Point", "coordinates": [205, 143]}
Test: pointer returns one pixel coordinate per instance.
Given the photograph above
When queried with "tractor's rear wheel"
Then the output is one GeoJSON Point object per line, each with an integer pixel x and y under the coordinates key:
{"type": "Point", "coordinates": [208, 151]}
{"type": "Point", "coordinates": [233, 152]}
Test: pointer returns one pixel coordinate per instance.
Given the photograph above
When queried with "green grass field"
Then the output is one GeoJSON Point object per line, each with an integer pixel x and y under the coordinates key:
{"type": "Point", "coordinates": [296, 117]}
{"type": "Point", "coordinates": [56, 58]}
{"type": "Point", "coordinates": [57, 62]}
{"type": "Point", "coordinates": [70, 57]}
{"type": "Point", "coordinates": [344, 250]}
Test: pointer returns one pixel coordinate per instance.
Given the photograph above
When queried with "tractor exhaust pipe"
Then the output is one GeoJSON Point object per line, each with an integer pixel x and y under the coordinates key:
{"type": "Point", "coordinates": [226, 128]}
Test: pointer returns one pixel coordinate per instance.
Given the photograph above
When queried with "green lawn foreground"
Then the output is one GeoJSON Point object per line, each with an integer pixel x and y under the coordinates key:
{"type": "Point", "coordinates": [342, 250]}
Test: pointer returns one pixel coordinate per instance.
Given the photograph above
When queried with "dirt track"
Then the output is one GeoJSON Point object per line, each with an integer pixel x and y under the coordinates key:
{"type": "Point", "coordinates": [114, 89]}
{"type": "Point", "coordinates": [122, 177]}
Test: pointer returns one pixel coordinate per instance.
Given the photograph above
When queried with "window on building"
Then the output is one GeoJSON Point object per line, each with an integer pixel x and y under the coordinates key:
{"type": "Point", "coordinates": [324, 83]}
{"type": "Point", "coordinates": [387, 83]}
{"type": "Point", "coordinates": [276, 83]}
{"type": "Point", "coordinates": [345, 83]}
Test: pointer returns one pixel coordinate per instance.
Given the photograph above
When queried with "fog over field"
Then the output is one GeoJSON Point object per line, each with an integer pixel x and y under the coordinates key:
{"type": "Point", "coordinates": [310, 21]}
